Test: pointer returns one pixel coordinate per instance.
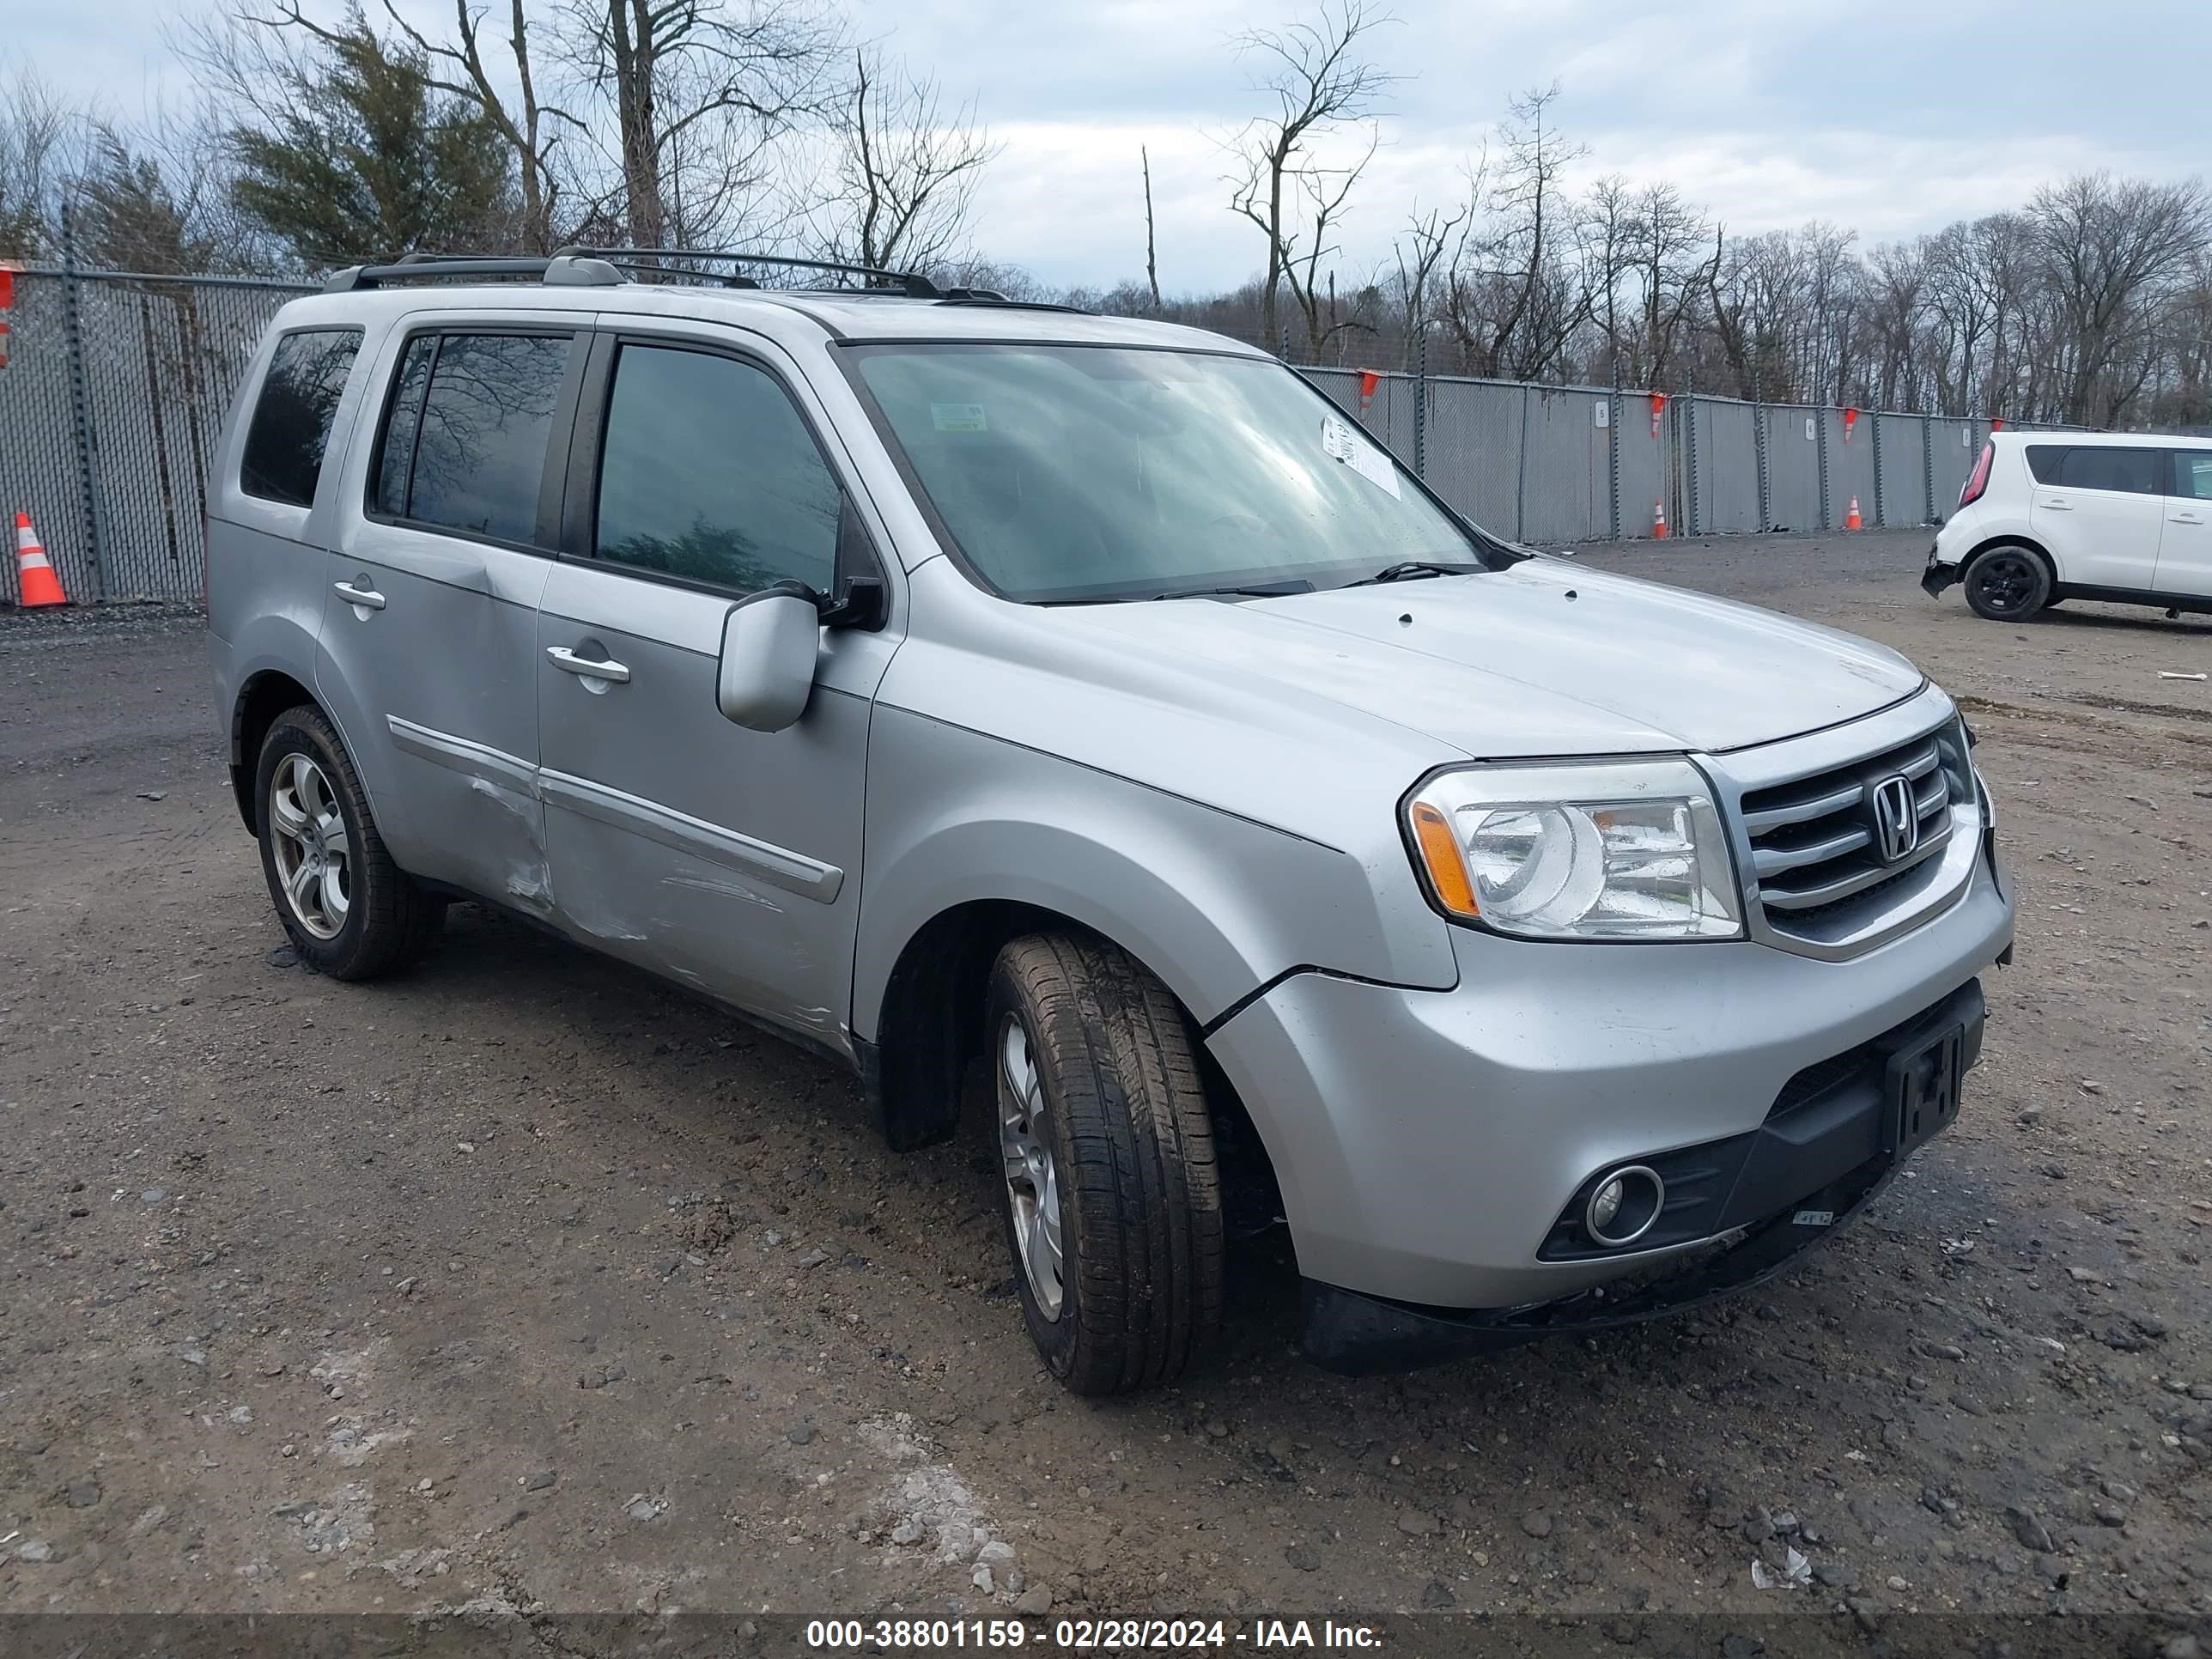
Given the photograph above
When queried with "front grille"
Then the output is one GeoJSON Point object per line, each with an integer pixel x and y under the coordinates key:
{"type": "Point", "coordinates": [1815, 846]}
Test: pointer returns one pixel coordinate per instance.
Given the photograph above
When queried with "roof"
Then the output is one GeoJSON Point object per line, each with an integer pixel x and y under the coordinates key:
{"type": "Point", "coordinates": [894, 307]}
{"type": "Point", "coordinates": [2102, 440]}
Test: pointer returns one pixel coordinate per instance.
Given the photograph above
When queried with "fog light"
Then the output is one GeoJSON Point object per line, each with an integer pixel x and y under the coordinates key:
{"type": "Point", "coordinates": [1607, 1204]}
{"type": "Point", "coordinates": [1625, 1204]}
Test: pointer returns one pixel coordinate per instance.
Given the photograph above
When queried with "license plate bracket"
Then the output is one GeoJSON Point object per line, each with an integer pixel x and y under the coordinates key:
{"type": "Point", "coordinates": [1922, 1088]}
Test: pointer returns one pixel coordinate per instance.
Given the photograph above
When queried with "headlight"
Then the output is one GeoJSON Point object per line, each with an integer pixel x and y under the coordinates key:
{"type": "Point", "coordinates": [1619, 850]}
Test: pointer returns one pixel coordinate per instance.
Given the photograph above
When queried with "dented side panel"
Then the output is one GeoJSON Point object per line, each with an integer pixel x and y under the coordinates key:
{"type": "Point", "coordinates": [436, 698]}
{"type": "Point", "coordinates": [725, 859]}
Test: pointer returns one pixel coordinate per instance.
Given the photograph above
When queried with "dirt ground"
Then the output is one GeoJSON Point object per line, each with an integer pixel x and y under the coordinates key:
{"type": "Point", "coordinates": [525, 1282]}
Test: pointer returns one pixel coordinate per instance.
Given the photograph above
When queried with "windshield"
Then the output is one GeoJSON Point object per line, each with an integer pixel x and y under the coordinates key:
{"type": "Point", "coordinates": [1070, 473]}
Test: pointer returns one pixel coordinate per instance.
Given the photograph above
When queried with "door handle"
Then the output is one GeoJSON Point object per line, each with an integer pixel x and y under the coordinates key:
{"type": "Point", "coordinates": [2056, 504]}
{"type": "Point", "coordinates": [569, 663]}
{"type": "Point", "coordinates": [367, 598]}
{"type": "Point", "coordinates": [2188, 518]}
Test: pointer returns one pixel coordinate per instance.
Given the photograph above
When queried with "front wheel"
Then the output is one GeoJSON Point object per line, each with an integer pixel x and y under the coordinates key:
{"type": "Point", "coordinates": [1112, 1202]}
{"type": "Point", "coordinates": [2007, 584]}
{"type": "Point", "coordinates": [351, 911]}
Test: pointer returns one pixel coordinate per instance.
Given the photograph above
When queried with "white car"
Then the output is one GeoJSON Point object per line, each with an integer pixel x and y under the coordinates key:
{"type": "Point", "coordinates": [2046, 516]}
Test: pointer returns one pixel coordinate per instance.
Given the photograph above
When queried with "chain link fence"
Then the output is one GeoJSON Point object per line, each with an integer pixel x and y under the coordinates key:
{"type": "Point", "coordinates": [111, 403]}
{"type": "Point", "coordinates": [1574, 464]}
{"type": "Point", "coordinates": [115, 397]}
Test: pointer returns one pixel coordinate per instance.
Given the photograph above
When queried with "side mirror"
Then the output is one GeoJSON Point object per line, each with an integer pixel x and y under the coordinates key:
{"type": "Point", "coordinates": [770, 640]}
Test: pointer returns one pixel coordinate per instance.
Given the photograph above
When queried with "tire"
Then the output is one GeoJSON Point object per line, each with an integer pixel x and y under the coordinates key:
{"type": "Point", "coordinates": [348, 910]}
{"type": "Point", "coordinates": [1106, 1154]}
{"type": "Point", "coordinates": [2007, 583]}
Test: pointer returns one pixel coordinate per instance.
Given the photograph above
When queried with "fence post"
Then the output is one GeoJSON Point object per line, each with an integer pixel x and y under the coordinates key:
{"type": "Point", "coordinates": [1521, 477]}
{"type": "Point", "coordinates": [1880, 520]}
{"type": "Point", "coordinates": [1421, 401]}
{"type": "Point", "coordinates": [1928, 463]}
{"type": "Point", "coordinates": [1690, 465]}
{"type": "Point", "coordinates": [88, 475]}
{"type": "Point", "coordinates": [1821, 435]}
{"type": "Point", "coordinates": [1759, 449]}
{"type": "Point", "coordinates": [1613, 458]}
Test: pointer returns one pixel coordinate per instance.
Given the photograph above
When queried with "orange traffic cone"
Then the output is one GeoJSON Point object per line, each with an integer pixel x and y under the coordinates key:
{"type": "Point", "coordinates": [39, 586]}
{"type": "Point", "coordinates": [1852, 518]}
{"type": "Point", "coordinates": [1659, 521]}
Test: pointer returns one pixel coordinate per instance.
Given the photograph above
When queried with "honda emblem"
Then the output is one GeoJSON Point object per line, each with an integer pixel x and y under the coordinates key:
{"type": "Point", "coordinates": [1896, 818]}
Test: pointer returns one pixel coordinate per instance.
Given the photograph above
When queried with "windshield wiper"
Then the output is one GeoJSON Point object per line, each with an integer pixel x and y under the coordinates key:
{"type": "Point", "coordinates": [1243, 590]}
{"type": "Point", "coordinates": [1395, 573]}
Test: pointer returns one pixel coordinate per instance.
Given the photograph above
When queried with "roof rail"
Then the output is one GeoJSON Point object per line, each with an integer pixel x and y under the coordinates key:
{"type": "Point", "coordinates": [916, 286]}
{"type": "Point", "coordinates": [562, 270]}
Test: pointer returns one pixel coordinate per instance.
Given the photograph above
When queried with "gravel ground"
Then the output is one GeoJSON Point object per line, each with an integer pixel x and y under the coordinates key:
{"type": "Point", "coordinates": [527, 1282]}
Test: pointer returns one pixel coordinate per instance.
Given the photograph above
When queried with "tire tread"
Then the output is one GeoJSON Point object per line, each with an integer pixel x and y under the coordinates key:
{"type": "Point", "coordinates": [399, 919]}
{"type": "Point", "coordinates": [1143, 1190]}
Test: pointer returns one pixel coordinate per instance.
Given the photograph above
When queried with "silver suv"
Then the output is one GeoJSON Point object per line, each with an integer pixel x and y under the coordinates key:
{"type": "Point", "coordinates": [1085, 714]}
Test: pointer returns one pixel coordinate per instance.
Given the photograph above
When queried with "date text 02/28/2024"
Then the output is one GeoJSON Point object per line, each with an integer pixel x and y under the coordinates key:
{"type": "Point", "coordinates": [1085, 1635]}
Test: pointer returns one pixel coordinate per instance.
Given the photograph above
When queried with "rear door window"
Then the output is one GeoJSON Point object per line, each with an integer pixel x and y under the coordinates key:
{"type": "Point", "coordinates": [291, 425]}
{"type": "Point", "coordinates": [2131, 471]}
{"type": "Point", "coordinates": [2192, 474]}
{"type": "Point", "coordinates": [2043, 460]}
{"type": "Point", "coordinates": [466, 438]}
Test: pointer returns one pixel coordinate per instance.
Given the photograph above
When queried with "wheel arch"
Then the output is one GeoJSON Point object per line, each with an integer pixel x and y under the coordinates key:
{"type": "Point", "coordinates": [930, 1027]}
{"type": "Point", "coordinates": [2014, 538]}
{"type": "Point", "coordinates": [260, 700]}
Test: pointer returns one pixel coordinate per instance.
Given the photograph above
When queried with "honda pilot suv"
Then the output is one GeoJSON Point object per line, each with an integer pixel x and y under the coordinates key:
{"type": "Point", "coordinates": [1087, 716]}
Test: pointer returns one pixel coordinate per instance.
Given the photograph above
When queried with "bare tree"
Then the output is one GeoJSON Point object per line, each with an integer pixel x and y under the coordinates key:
{"type": "Point", "coordinates": [1609, 234]}
{"type": "Point", "coordinates": [1670, 238]}
{"type": "Point", "coordinates": [33, 139]}
{"type": "Point", "coordinates": [1151, 247]}
{"type": "Point", "coordinates": [902, 180]}
{"type": "Point", "coordinates": [1422, 253]}
{"type": "Point", "coordinates": [1516, 295]}
{"type": "Point", "coordinates": [699, 90]}
{"type": "Point", "coordinates": [2115, 252]}
{"type": "Point", "coordinates": [1326, 190]}
{"type": "Point", "coordinates": [1319, 85]}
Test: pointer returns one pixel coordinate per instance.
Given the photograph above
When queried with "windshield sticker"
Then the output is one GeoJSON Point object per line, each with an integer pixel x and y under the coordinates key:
{"type": "Point", "coordinates": [1354, 450]}
{"type": "Point", "coordinates": [959, 417]}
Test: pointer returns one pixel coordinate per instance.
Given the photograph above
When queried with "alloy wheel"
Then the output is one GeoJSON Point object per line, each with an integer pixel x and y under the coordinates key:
{"type": "Point", "coordinates": [2006, 582]}
{"type": "Point", "coordinates": [1032, 1182]}
{"type": "Point", "coordinates": [312, 852]}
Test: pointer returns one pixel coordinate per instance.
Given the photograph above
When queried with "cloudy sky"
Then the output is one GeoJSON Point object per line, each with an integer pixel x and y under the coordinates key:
{"type": "Point", "coordinates": [1890, 116]}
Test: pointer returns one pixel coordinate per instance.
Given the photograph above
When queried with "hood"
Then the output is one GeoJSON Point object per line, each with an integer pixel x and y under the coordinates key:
{"type": "Point", "coordinates": [1544, 658]}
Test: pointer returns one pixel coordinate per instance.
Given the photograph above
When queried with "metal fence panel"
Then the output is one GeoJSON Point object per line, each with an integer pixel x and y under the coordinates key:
{"type": "Point", "coordinates": [1727, 448]}
{"type": "Point", "coordinates": [162, 360]}
{"type": "Point", "coordinates": [1647, 471]}
{"type": "Point", "coordinates": [1561, 493]}
{"type": "Point", "coordinates": [1474, 441]}
{"type": "Point", "coordinates": [1904, 477]}
{"type": "Point", "coordinates": [1850, 468]}
{"type": "Point", "coordinates": [1793, 468]}
{"type": "Point", "coordinates": [38, 442]}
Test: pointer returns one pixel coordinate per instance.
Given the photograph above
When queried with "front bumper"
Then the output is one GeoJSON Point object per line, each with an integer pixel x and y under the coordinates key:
{"type": "Point", "coordinates": [1428, 1143]}
{"type": "Point", "coordinates": [1752, 1205]}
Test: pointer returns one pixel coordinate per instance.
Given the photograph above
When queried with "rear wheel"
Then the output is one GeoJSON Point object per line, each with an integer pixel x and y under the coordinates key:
{"type": "Point", "coordinates": [2008, 583]}
{"type": "Point", "coordinates": [351, 912]}
{"type": "Point", "coordinates": [1112, 1203]}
